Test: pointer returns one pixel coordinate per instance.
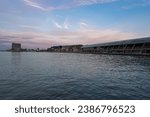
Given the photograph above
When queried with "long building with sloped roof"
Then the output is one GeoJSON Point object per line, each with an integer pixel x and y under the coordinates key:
{"type": "Point", "coordinates": [139, 46]}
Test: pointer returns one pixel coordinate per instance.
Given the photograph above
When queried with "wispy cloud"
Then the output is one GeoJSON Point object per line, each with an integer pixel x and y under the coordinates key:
{"type": "Point", "coordinates": [64, 4]}
{"type": "Point", "coordinates": [64, 25]}
{"type": "Point", "coordinates": [34, 4]}
{"type": "Point", "coordinates": [28, 39]}
{"type": "Point", "coordinates": [57, 24]}
{"type": "Point", "coordinates": [89, 2]}
{"type": "Point", "coordinates": [34, 39]}
{"type": "Point", "coordinates": [138, 3]}
{"type": "Point", "coordinates": [83, 24]}
{"type": "Point", "coordinates": [29, 27]}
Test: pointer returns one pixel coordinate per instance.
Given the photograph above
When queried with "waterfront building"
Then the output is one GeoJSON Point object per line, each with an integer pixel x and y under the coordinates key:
{"type": "Point", "coordinates": [16, 47]}
{"type": "Point", "coordinates": [55, 49]}
{"type": "Point", "coordinates": [65, 48]}
{"type": "Point", "coordinates": [140, 46]}
{"type": "Point", "coordinates": [71, 48]}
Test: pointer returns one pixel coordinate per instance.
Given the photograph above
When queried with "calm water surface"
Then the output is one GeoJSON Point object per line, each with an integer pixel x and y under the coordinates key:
{"type": "Point", "coordinates": [73, 76]}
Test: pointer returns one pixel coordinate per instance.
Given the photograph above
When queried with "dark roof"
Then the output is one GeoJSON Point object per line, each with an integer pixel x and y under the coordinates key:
{"type": "Point", "coordinates": [65, 46]}
{"type": "Point", "coordinates": [131, 41]}
{"type": "Point", "coordinates": [16, 43]}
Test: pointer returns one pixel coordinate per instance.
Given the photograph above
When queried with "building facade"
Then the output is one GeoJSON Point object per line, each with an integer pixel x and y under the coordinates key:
{"type": "Point", "coordinates": [140, 46]}
{"type": "Point", "coordinates": [65, 48]}
{"type": "Point", "coordinates": [16, 47]}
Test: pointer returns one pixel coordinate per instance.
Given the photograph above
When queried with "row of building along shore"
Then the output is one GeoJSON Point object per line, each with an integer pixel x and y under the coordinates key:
{"type": "Point", "coordinates": [139, 46]}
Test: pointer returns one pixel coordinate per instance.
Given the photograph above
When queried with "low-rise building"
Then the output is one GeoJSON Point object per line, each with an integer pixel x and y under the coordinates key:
{"type": "Point", "coordinates": [65, 48]}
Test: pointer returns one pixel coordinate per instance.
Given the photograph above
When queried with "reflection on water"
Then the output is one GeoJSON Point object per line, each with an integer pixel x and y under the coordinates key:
{"type": "Point", "coordinates": [73, 76]}
{"type": "Point", "coordinates": [15, 58]}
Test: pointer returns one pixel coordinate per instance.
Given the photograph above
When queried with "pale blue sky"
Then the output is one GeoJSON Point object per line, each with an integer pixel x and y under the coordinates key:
{"type": "Point", "coordinates": [43, 23]}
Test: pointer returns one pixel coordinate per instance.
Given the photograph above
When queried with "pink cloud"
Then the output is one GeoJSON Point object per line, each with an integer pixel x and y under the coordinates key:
{"type": "Point", "coordinates": [45, 40]}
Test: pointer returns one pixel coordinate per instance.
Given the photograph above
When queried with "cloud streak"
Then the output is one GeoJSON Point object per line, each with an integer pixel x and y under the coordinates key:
{"type": "Point", "coordinates": [65, 25]}
{"type": "Point", "coordinates": [138, 3]}
{"type": "Point", "coordinates": [57, 24]}
{"type": "Point", "coordinates": [34, 4]}
{"type": "Point", "coordinates": [45, 40]}
{"type": "Point", "coordinates": [65, 4]}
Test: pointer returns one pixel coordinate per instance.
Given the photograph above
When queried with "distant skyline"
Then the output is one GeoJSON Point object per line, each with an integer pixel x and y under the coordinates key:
{"type": "Point", "coordinates": [44, 23]}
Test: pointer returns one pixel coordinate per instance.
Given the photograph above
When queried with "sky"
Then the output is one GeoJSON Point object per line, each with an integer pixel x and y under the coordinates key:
{"type": "Point", "coordinates": [46, 23]}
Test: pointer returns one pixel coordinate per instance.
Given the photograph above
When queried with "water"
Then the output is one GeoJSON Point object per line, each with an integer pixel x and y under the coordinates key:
{"type": "Point", "coordinates": [73, 76]}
